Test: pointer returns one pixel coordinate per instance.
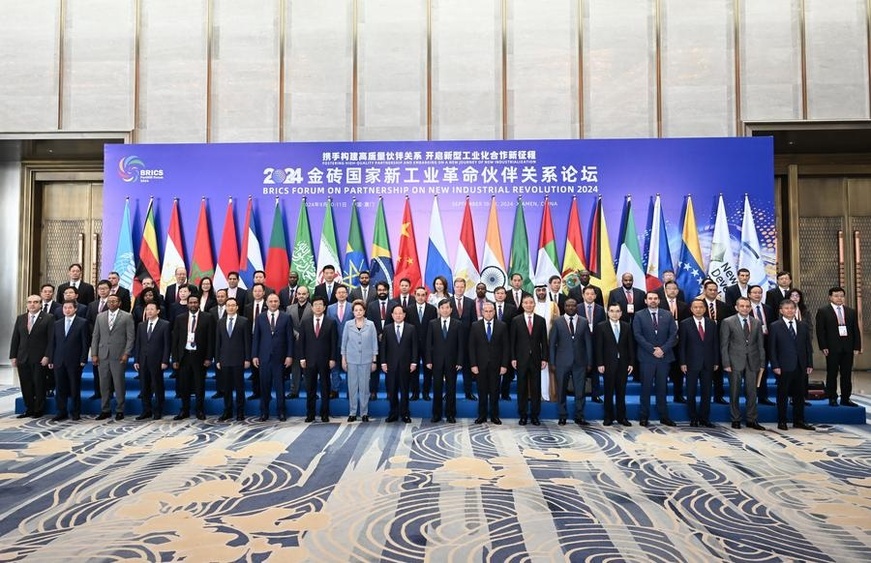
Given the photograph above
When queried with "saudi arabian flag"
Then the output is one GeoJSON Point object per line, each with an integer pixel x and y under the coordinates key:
{"type": "Point", "coordinates": [519, 262]}
{"type": "Point", "coordinates": [303, 258]}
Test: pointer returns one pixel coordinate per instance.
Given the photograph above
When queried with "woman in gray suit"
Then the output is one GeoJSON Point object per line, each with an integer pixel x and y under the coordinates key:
{"type": "Point", "coordinates": [359, 354]}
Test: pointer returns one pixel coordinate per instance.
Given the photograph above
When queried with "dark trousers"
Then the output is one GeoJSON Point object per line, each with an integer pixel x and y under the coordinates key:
{"type": "Point", "coordinates": [255, 380]}
{"type": "Point", "coordinates": [444, 382]}
{"type": "Point", "coordinates": [794, 384]}
{"type": "Point", "coordinates": [374, 380]}
{"type": "Point", "coordinates": [69, 385]}
{"type": "Point", "coordinates": [762, 388]}
{"type": "Point", "coordinates": [272, 379]}
{"type": "Point", "coordinates": [700, 379]}
{"type": "Point", "coordinates": [488, 392]}
{"type": "Point", "coordinates": [234, 382]}
{"type": "Point", "coordinates": [32, 379]}
{"type": "Point", "coordinates": [676, 376]}
{"type": "Point", "coordinates": [312, 374]}
{"type": "Point", "coordinates": [654, 376]}
{"type": "Point", "coordinates": [468, 379]}
{"type": "Point", "coordinates": [719, 390]}
{"type": "Point", "coordinates": [529, 387]}
{"type": "Point", "coordinates": [415, 386]}
{"type": "Point", "coordinates": [397, 391]}
{"type": "Point", "coordinates": [50, 380]}
{"type": "Point", "coordinates": [576, 375]}
{"type": "Point", "coordinates": [192, 378]}
{"type": "Point", "coordinates": [839, 362]}
{"type": "Point", "coordinates": [96, 370]}
{"type": "Point", "coordinates": [151, 378]}
{"type": "Point", "coordinates": [506, 384]}
{"type": "Point", "coordinates": [615, 390]}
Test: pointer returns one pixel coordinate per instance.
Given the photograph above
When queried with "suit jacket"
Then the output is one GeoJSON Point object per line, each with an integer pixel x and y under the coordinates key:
{"type": "Point", "coordinates": [249, 296]}
{"type": "Point", "coordinates": [318, 350]}
{"type": "Point", "coordinates": [217, 314]}
{"type": "Point", "coordinates": [827, 330]}
{"type": "Point", "coordinates": [740, 352]}
{"type": "Point", "coordinates": [618, 297]}
{"type": "Point", "coordinates": [421, 326]}
{"type": "Point", "coordinates": [208, 302]}
{"type": "Point", "coordinates": [139, 312]}
{"type": "Point", "coordinates": [510, 298]}
{"type": "Point", "coordinates": [297, 317]}
{"type": "Point", "coordinates": [615, 355]}
{"type": "Point", "coordinates": [567, 350]}
{"type": "Point", "coordinates": [509, 311]}
{"type": "Point", "coordinates": [683, 310]}
{"type": "Point", "coordinates": [469, 315]}
{"type": "Point", "coordinates": [732, 293]}
{"type": "Point", "coordinates": [647, 338]}
{"type": "Point", "coordinates": [81, 311]}
{"type": "Point", "coordinates": [445, 352]}
{"type": "Point", "coordinates": [774, 296]}
{"type": "Point", "coordinates": [722, 310]}
{"type": "Point", "coordinates": [528, 349]}
{"type": "Point", "coordinates": [578, 293]}
{"type": "Point", "coordinates": [321, 289]}
{"type": "Point", "coordinates": [204, 337]}
{"type": "Point", "coordinates": [112, 344]}
{"type": "Point", "coordinates": [155, 350]}
{"type": "Point", "coordinates": [86, 292]}
{"type": "Point", "coordinates": [124, 295]}
{"type": "Point", "coordinates": [767, 312]}
{"type": "Point", "coordinates": [560, 300]}
{"type": "Point", "coordinates": [493, 354]}
{"type": "Point", "coordinates": [599, 315]}
{"type": "Point", "coordinates": [333, 313]}
{"type": "Point", "coordinates": [661, 292]}
{"type": "Point", "coordinates": [272, 346]}
{"type": "Point", "coordinates": [695, 353]}
{"type": "Point", "coordinates": [357, 293]}
{"type": "Point", "coordinates": [399, 354]}
{"type": "Point", "coordinates": [241, 296]}
{"type": "Point", "coordinates": [398, 301]}
{"type": "Point", "coordinates": [170, 293]}
{"type": "Point", "coordinates": [373, 313]}
{"type": "Point", "coordinates": [53, 306]}
{"type": "Point", "coordinates": [70, 349]}
{"type": "Point", "coordinates": [286, 297]}
{"type": "Point", "coordinates": [233, 350]}
{"type": "Point", "coordinates": [787, 352]}
{"type": "Point", "coordinates": [248, 311]}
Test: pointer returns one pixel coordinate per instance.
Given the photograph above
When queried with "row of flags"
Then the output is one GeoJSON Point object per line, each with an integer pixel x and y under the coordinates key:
{"type": "Point", "coordinates": [491, 269]}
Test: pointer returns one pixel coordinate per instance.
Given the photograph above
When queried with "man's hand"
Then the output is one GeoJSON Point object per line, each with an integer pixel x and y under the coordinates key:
{"type": "Point", "coordinates": [683, 368]}
{"type": "Point", "coordinates": [136, 366]}
{"type": "Point", "coordinates": [247, 364]}
{"type": "Point", "coordinates": [256, 362]}
{"type": "Point", "coordinates": [475, 370]}
{"type": "Point", "coordinates": [384, 368]}
{"type": "Point", "coordinates": [95, 360]}
{"type": "Point", "coordinates": [288, 361]}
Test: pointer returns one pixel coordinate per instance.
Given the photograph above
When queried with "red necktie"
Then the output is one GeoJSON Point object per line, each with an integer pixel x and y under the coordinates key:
{"type": "Point", "coordinates": [317, 327]}
{"type": "Point", "coordinates": [383, 311]}
{"type": "Point", "coordinates": [529, 325]}
{"type": "Point", "coordinates": [701, 330]}
{"type": "Point", "coordinates": [460, 307]}
{"type": "Point", "coordinates": [629, 296]}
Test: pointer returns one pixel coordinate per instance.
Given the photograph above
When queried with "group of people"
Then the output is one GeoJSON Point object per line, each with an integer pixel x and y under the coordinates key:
{"type": "Point", "coordinates": [556, 344]}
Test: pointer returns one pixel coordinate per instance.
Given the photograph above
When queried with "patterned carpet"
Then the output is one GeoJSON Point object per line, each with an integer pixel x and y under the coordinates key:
{"type": "Point", "coordinates": [393, 492]}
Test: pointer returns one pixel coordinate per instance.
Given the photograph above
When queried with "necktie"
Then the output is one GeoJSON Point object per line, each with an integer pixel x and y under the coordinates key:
{"type": "Point", "coordinates": [317, 327]}
{"type": "Point", "coordinates": [111, 321]}
{"type": "Point", "coordinates": [365, 292]}
{"type": "Point", "coordinates": [701, 330]}
{"type": "Point", "coordinates": [590, 314]}
{"type": "Point", "coordinates": [150, 328]}
{"type": "Point", "coordinates": [70, 321]}
{"type": "Point", "coordinates": [841, 316]}
{"type": "Point", "coordinates": [45, 307]}
{"type": "Point", "coordinates": [517, 298]}
{"type": "Point", "coordinates": [529, 324]}
{"type": "Point", "coordinates": [672, 308]}
{"type": "Point", "coordinates": [489, 331]}
{"type": "Point", "coordinates": [272, 321]}
{"type": "Point", "coordinates": [383, 310]}
{"type": "Point", "coordinates": [399, 333]}
{"type": "Point", "coordinates": [341, 311]}
{"type": "Point", "coordinates": [759, 314]}
{"type": "Point", "coordinates": [629, 296]}
{"type": "Point", "coordinates": [572, 326]}
{"type": "Point", "coordinates": [256, 310]}
{"type": "Point", "coordinates": [460, 307]}
{"type": "Point", "coordinates": [193, 323]}
{"type": "Point", "coordinates": [420, 314]}
{"type": "Point", "coordinates": [791, 329]}
{"type": "Point", "coordinates": [500, 311]}
{"type": "Point", "coordinates": [480, 307]}
{"type": "Point", "coordinates": [221, 312]}
{"type": "Point", "coordinates": [655, 320]}
{"type": "Point", "coordinates": [230, 326]}
{"type": "Point", "coordinates": [404, 302]}
{"type": "Point", "coordinates": [616, 328]}
{"type": "Point", "coordinates": [746, 327]}
{"type": "Point", "coordinates": [713, 311]}
{"type": "Point", "coordinates": [30, 320]}
{"type": "Point", "coordinates": [329, 292]}
{"type": "Point", "coordinates": [102, 306]}
{"type": "Point", "coordinates": [445, 328]}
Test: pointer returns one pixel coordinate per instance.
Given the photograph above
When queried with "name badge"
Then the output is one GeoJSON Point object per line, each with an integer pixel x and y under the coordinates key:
{"type": "Point", "coordinates": [630, 308]}
{"type": "Point", "coordinates": [191, 337]}
{"type": "Point", "coordinates": [764, 329]}
{"type": "Point", "coordinates": [842, 330]}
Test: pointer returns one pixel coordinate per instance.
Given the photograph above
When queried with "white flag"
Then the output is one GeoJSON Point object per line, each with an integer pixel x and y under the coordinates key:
{"type": "Point", "coordinates": [721, 267]}
{"type": "Point", "coordinates": [750, 256]}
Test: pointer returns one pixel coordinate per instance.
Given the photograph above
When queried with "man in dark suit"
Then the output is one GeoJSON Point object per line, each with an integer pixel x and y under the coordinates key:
{"type": "Point", "coordinates": [792, 358]}
{"type": "Point", "coordinates": [252, 311]}
{"type": "Point", "coordinates": [739, 289]}
{"type": "Point", "coordinates": [218, 312]}
{"type": "Point", "coordinates": [555, 293]}
{"type": "Point", "coordinates": [179, 306]}
{"type": "Point", "coordinates": [234, 291]}
{"type": "Point", "coordinates": [594, 313]}
{"type": "Point", "coordinates": [123, 293]}
{"type": "Point", "coordinates": [29, 351]}
{"type": "Point", "coordinates": [630, 298]}
{"type": "Point", "coordinates": [340, 311]}
{"type": "Point", "coordinates": [84, 290]}
{"type": "Point", "coordinates": [49, 305]}
{"type": "Point", "coordinates": [505, 311]}
{"type": "Point", "coordinates": [489, 357]}
{"type": "Point", "coordinates": [698, 355]}
{"type": "Point", "coordinates": [571, 354]}
{"type": "Point", "coordinates": [444, 356]}
{"type": "Point", "coordinates": [299, 311]}
{"type": "Point", "coordinates": [419, 314]}
{"type": "Point", "coordinates": [287, 295]}
{"type": "Point", "coordinates": [463, 309]}
{"type": "Point", "coordinates": [742, 353]}
{"type": "Point", "coordinates": [529, 355]}
{"type": "Point", "coordinates": [614, 356]}
{"type": "Point", "coordinates": [516, 293]}
{"type": "Point", "coordinates": [193, 346]}
{"type": "Point", "coordinates": [318, 352]}
{"type": "Point", "coordinates": [69, 354]}
{"type": "Point", "coordinates": [655, 335]}
{"type": "Point", "coordinates": [679, 310]}
{"type": "Point", "coordinates": [405, 298]}
{"type": "Point", "coordinates": [181, 279]}
{"type": "Point", "coordinates": [717, 311]}
{"type": "Point", "coordinates": [364, 291]}
{"type": "Point", "coordinates": [668, 277]}
{"type": "Point", "coordinates": [399, 357]}
{"type": "Point", "coordinates": [578, 291]}
{"type": "Point", "coordinates": [839, 339]}
{"type": "Point", "coordinates": [272, 351]}
{"type": "Point", "coordinates": [778, 293]}
{"type": "Point", "coordinates": [233, 357]}
{"type": "Point", "coordinates": [378, 313]}
{"type": "Point", "coordinates": [765, 315]}
{"type": "Point", "coordinates": [71, 294]}
{"type": "Point", "coordinates": [327, 289]}
{"type": "Point", "coordinates": [480, 299]}
{"type": "Point", "coordinates": [151, 358]}
{"type": "Point", "coordinates": [259, 277]}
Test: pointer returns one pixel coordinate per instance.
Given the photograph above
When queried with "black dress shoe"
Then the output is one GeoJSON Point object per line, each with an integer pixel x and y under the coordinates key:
{"type": "Point", "coordinates": [365, 418]}
{"type": "Point", "coordinates": [426, 397]}
{"type": "Point", "coordinates": [597, 399]}
{"type": "Point", "coordinates": [310, 418]}
{"type": "Point", "coordinates": [263, 418]}
{"type": "Point", "coordinates": [292, 396]}
{"type": "Point", "coordinates": [240, 417]}
{"type": "Point", "coordinates": [506, 397]}
{"type": "Point", "coordinates": [496, 420]}
{"type": "Point", "coordinates": [471, 397]}
{"type": "Point", "coordinates": [352, 418]}
{"type": "Point", "coordinates": [391, 418]}
{"type": "Point", "coordinates": [708, 424]}
{"type": "Point", "coordinates": [782, 426]}
{"type": "Point", "coordinates": [325, 419]}
{"type": "Point", "coordinates": [415, 397]}
{"type": "Point", "coordinates": [435, 419]}
{"type": "Point", "coordinates": [848, 403]}
{"type": "Point", "coordinates": [534, 420]}
{"type": "Point", "coordinates": [282, 417]}
{"type": "Point", "coordinates": [644, 422]}
{"type": "Point", "coordinates": [561, 421]}
{"type": "Point", "coordinates": [481, 420]}
{"type": "Point", "coordinates": [49, 393]}
{"type": "Point", "coordinates": [607, 422]}
{"type": "Point", "coordinates": [768, 402]}
{"type": "Point", "coordinates": [680, 400]}
{"type": "Point", "coordinates": [37, 414]}
{"type": "Point", "coordinates": [833, 402]}
{"type": "Point", "coordinates": [736, 425]}
{"type": "Point", "coordinates": [522, 421]}
{"type": "Point", "coordinates": [94, 397]}
{"type": "Point", "coordinates": [581, 422]}
{"type": "Point", "coordinates": [156, 416]}
{"type": "Point", "coordinates": [218, 395]}
{"type": "Point", "coordinates": [103, 416]}
{"type": "Point", "coordinates": [625, 422]}
{"type": "Point", "coordinates": [59, 417]}
{"type": "Point", "coordinates": [667, 422]}
{"type": "Point", "coordinates": [721, 401]}
{"type": "Point", "coordinates": [406, 419]}
{"type": "Point", "coordinates": [201, 415]}
{"type": "Point", "coordinates": [143, 416]}
{"type": "Point", "coordinates": [334, 394]}
{"type": "Point", "coordinates": [803, 426]}
{"type": "Point", "coordinates": [694, 424]}
{"type": "Point", "coordinates": [27, 414]}
{"type": "Point", "coordinates": [451, 420]}
{"type": "Point", "coordinates": [181, 416]}
{"type": "Point", "coordinates": [119, 416]}
{"type": "Point", "coordinates": [76, 417]}
{"type": "Point", "coordinates": [225, 417]}
{"type": "Point", "coordinates": [373, 396]}
{"type": "Point", "coordinates": [755, 426]}
{"type": "Point", "coordinates": [254, 397]}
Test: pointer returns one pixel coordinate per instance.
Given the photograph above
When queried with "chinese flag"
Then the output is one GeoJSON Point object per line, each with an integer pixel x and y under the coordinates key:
{"type": "Point", "coordinates": [407, 264]}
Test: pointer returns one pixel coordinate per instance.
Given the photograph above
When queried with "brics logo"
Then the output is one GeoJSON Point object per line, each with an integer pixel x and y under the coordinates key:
{"type": "Point", "coordinates": [132, 169]}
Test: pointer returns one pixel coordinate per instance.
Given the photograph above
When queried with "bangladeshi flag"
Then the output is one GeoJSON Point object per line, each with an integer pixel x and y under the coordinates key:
{"type": "Point", "coordinates": [202, 265]}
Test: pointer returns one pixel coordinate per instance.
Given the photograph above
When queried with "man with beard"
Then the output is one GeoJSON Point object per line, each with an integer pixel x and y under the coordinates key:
{"type": "Point", "coordinates": [193, 347]}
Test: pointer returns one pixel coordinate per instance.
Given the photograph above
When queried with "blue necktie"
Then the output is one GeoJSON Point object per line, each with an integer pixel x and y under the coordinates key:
{"type": "Point", "coordinates": [489, 331]}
